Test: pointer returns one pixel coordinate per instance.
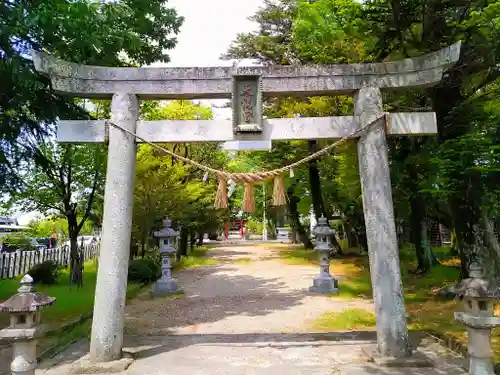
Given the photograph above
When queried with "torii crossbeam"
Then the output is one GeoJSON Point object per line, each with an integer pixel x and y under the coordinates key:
{"type": "Point", "coordinates": [247, 86]}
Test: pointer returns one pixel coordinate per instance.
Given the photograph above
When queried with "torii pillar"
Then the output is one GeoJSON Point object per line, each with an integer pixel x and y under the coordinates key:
{"type": "Point", "coordinates": [125, 85]}
{"type": "Point", "coordinates": [111, 286]}
{"type": "Point", "coordinates": [385, 271]}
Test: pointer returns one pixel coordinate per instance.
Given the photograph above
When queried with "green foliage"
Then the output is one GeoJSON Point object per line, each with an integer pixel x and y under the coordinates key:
{"type": "Point", "coordinates": [254, 227]}
{"type": "Point", "coordinates": [45, 228]}
{"type": "Point", "coordinates": [112, 33]}
{"type": "Point", "coordinates": [332, 31]}
{"type": "Point", "coordinates": [324, 32]}
{"type": "Point", "coordinates": [463, 159]}
{"type": "Point", "coordinates": [18, 241]}
{"type": "Point", "coordinates": [167, 186]}
{"type": "Point", "coordinates": [177, 110]}
{"type": "Point", "coordinates": [45, 273]}
{"type": "Point", "coordinates": [143, 271]}
{"type": "Point", "coordinates": [273, 40]}
{"type": "Point", "coordinates": [452, 179]}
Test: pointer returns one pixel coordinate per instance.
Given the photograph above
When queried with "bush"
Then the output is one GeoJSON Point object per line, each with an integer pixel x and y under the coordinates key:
{"type": "Point", "coordinates": [18, 241]}
{"type": "Point", "coordinates": [45, 273]}
{"type": "Point", "coordinates": [254, 227]}
{"type": "Point", "coordinates": [143, 271]}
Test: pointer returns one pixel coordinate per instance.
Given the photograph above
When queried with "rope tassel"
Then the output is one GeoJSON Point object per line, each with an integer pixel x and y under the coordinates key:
{"type": "Point", "coordinates": [279, 198]}
{"type": "Point", "coordinates": [248, 199]}
{"type": "Point", "coordinates": [221, 197]}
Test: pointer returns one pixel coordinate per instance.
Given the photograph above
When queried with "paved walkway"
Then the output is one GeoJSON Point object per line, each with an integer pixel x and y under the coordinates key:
{"type": "Point", "coordinates": [251, 314]}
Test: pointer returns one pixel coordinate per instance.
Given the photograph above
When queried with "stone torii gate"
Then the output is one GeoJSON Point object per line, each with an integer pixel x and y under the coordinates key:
{"type": "Point", "coordinates": [247, 86]}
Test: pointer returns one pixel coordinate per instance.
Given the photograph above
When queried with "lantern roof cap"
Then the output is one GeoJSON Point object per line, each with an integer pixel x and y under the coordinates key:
{"type": "Point", "coordinates": [167, 230]}
{"type": "Point", "coordinates": [27, 299]}
{"type": "Point", "coordinates": [322, 228]}
{"type": "Point", "coordinates": [476, 286]}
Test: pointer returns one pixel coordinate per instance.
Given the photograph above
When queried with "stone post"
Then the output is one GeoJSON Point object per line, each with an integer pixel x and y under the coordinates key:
{"type": "Point", "coordinates": [283, 235]}
{"type": "Point", "coordinates": [166, 285]}
{"type": "Point", "coordinates": [478, 296]}
{"type": "Point", "coordinates": [25, 328]}
{"type": "Point", "coordinates": [392, 330]}
{"type": "Point", "coordinates": [324, 283]}
{"type": "Point", "coordinates": [111, 287]}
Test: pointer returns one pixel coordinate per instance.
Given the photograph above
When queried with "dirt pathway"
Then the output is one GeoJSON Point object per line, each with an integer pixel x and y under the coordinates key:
{"type": "Point", "coordinates": [250, 314]}
{"type": "Point", "coordinates": [246, 293]}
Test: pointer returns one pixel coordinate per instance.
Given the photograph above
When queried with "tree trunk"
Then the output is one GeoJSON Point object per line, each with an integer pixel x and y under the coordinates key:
{"type": "Point", "coordinates": [453, 248]}
{"type": "Point", "coordinates": [464, 202]}
{"type": "Point", "coordinates": [293, 202]}
{"type": "Point", "coordinates": [295, 235]}
{"type": "Point", "coordinates": [76, 261]}
{"type": "Point", "coordinates": [315, 184]}
{"type": "Point", "coordinates": [192, 239]}
{"type": "Point", "coordinates": [134, 249]}
{"type": "Point", "coordinates": [201, 236]}
{"type": "Point", "coordinates": [363, 240]}
{"type": "Point", "coordinates": [418, 224]}
{"type": "Point", "coordinates": [182, 250]}
{"type": "Point", "coordinates": [144, 240]}
{"type": "Point", "coordinates": [465, 237]}
{"type": "Point", "coordinates": [492, 268]}
{"type": "Point", "coordinates": [316, 195]}
{"type": "Point", "coordinates": [352, 238]}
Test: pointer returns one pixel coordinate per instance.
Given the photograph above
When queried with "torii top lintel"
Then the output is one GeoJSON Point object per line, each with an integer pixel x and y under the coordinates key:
{"type": "Point", "coordinates": [217, 82]}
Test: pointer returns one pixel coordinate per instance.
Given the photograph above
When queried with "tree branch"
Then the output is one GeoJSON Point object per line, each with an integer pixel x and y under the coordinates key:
{"type": "Point", "coordinates": [90, 200]}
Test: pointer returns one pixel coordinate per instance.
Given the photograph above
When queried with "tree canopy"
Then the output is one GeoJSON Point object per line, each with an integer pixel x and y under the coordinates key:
{"type": "Point", "coordinates": [445, 178]}
{"type": "Point", "coordinates": [115, 33]}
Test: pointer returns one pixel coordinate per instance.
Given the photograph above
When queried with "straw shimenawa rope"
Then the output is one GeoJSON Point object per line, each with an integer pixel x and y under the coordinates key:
{"type": "Point", "coordinates": [255, 177]}
{"type": "Point", "coordinates": [279, 198]}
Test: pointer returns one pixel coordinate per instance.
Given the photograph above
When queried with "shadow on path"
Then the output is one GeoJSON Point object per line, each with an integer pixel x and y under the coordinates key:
{"type": "Point", "coordinates": [144, 347]}
{"type": "Point", "coordinates": [212, 294]}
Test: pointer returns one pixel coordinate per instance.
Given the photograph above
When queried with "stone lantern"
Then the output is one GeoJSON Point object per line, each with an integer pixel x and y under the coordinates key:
{"type": "Point", "coordinates": [166, 285]}
{"type": "Point", "coordinates": [478, 296]}
{"type": "Point", "coordinates": [24, 330]}
{"type": "Point", "coordinates": [324, 283]}
{"type": "Point", "coordinates": [283, 235]}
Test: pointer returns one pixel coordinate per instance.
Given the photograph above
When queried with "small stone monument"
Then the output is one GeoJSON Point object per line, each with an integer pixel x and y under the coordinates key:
{"type": "Point", "coordinates": [166, 285]}
{"type": "Point", "coordinates": [478, 296]}
{"type": "Point", "coordinates": [24, 330]}
{"type": "Point", "coordinates": [283, 235]}
{"type": "Point", "coordinates": [324, 283]}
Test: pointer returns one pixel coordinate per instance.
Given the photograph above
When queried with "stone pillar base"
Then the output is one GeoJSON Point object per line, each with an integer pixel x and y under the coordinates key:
{"type": "Point", "coordinates": [416, 359]}
{"type": "Point", "coordinates": [324, 286]}
{"type": "Point", "coordinates": [85, 366]}
{"type": "Point", "coordinates": [481, 366]}
{"type": "Point", "coordinates": [166, 288]}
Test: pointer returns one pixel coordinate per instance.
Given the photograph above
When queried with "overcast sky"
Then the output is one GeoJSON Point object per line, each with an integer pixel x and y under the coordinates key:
{"type": "Point", "coordinates": [208, 29]}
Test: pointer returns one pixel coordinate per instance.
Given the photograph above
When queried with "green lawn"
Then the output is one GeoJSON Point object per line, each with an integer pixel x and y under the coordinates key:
{"type": "Point", "coordinates": [349, 319]}
{"type": "Point", "coordinates": [197, 257]}
{"type": "Point", "coordinates": [425, 311]}
{"type": "Point", "coordinates": [71, 302]}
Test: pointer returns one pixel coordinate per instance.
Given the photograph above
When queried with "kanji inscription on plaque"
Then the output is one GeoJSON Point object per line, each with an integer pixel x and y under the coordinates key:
{"type": "Point", "coordinates": [247, 103]}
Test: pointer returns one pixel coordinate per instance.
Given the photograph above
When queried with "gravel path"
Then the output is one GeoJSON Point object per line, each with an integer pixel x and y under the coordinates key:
{"type": "Point", "coordinates": [237, 296]}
